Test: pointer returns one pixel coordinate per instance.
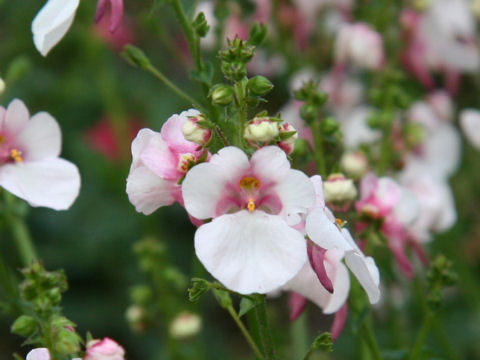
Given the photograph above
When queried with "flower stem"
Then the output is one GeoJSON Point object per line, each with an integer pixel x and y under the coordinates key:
{"type": "Point", "coordinates": [318, 153]}
{"type": "Point", "coordinates": [264, 330]}
{"type": "Point", "coordinates": [242, 108]}
{"type": "Point", "coordinates": [245, 333]}
{"type": "Point", "coordinates": [22, 239]}
{"type": "Point", "coordinates": [299, 335]}
{"type": "Point", "coordinates": [422, 336]}
{"type": "Point", "coordinates": [370, 340]}
{"type": "Point", "coordinates": [158, 74]}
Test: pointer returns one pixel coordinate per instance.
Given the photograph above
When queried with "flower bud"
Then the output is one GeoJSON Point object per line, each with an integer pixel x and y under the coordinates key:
{"type": "Point", "coordinates": [194, 132]}
{"type": "Point", "coordinates": [106, 349]}
{"type": "Point", "coordinates": [2, 86]}
{"type": "Point", "coordinates": [186, 324]}
{"type": "Point", "coordinates": [136, 317]}
{"type": "Point", "coordinates": [338, 189]}
{"type": "Point", "coordinates": [24, 326]}
{"type": "Point", "coordinates": [329, 126]}
{"type": "Point", "coordinates": [355, 164]}
{"type": "Point", "coordinates": [259, 85]}
{"type": "Point", "coordinates": [221, 94]}
{"type": "Point", "coordinates": [288, 136]}
{"type": "Point", "coordinates": [261, 130]}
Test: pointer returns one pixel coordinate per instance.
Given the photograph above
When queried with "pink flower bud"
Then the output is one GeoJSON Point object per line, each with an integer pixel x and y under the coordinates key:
{"type": "Point", "coordinates": [288, 144]}
{"type": "Point", "coordinates": [194, 132]}
{"type": "Point", "coordinates": [106, 349]}
{"type": "Point", "coordinates": [361, 45]}
{"type": "Point", "coordinates": [261, 130]}
{"type": "Point", "coordinates": [338, 189]}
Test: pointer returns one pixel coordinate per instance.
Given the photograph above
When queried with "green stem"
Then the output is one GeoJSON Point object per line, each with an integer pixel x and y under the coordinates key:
{"type": "Point", "coordinates": [264, 330]}
{"type": "Point", "coordinates": [22, 239]}
{"type": "Point", "coordinates": [299, 335]}
{"type": "Point", "coordinates": [240, 94]}
{"type": "Point", "coordinates": [245, 333]}
{"type": "Point", "coordinates": [422, 336]}
{"type": "Point", "coordinates": [173, 87]}
{"type": "Point", "coordinates": [370, 340]}
{"type": "Point", "coordinates": [318, 153]}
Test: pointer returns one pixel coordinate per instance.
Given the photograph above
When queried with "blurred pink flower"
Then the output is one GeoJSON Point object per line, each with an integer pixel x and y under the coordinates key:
{"type": "Point", "coordinates": [116, 12]}
{"type": "Point", "coordinates": [106, 349]}
{"type": "Point", "coordinates": [29, 164]}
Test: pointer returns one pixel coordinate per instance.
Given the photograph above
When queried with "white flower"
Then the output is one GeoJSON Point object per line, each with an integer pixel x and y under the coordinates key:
{"type": "Point", "coordinates": [470, 123]}
{"type": "Point", "coordinates": [52, 23]}
{"type": "Point", "coordinates": [29, 164]}
{"type": "Point", "coordinates": [249, 245]}
{"type": "Point", "coordinates": [41, 354]}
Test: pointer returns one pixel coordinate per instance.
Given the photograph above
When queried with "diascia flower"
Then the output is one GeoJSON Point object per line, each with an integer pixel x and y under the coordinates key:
{"type": "Point", "coordinates": [29, 164]}
{"type": "Point", "coordinates": [249, 245]}
{"type": "Point", "coordinates": [105, 349]}
{"type": "Point", "coordinates": [159, 161]}
{"type": "Point", "coordinates": [41, 354]}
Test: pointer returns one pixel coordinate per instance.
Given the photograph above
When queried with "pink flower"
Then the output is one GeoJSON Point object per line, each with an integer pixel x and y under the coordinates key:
{"type": "Point", "coordinates": [116, 7]}
{"type": "Point", "coordinates": [106, 349]}
{"type": "Point", "coordinates": [159, 161]}
{"type": "Point", "coordinates": [249, 245]}
{"type": "Point", "coordinates": [29, 164]}
{"type": "Point", "coordinates": [361, 45]}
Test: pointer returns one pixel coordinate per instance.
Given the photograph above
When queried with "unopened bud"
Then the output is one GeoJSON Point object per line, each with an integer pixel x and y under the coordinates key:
{"type": "Point", "coordinates": [355, 164]}
{"type": "Point", "coordinates": [106, 349]}
{"type": "Point", "coordinates": [338, 189]}
{"type": "Point", "coordinates": [200, 25]}
{"type": "Point", "coordinates": [2, 86]}
{"type": "Point", "coordinates": [257, 34]}
{"type": "Point", "coordinates": [259, 85]}
{"type": "Point", "coordinates": [221, 94]}
{"type": "Point", "coordinates": [24, 326]}
{"type": "Point", "coordinates": [194, 132]}
{"type": "Point", "coordinates": [261, 130]}
{"type": "Point", "coordinates": [288, 136]}
{"type": "Point", "coordinates": [329, 126]}
{"type": "Point", "coordinates": [135, 57]}
{"type": "Point", "coordinates": [136, 317]}
{"type": "Point", "coordinates": [185, 325]}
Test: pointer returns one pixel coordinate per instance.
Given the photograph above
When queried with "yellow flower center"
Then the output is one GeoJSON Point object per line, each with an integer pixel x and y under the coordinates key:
{"type": "Point", "coordinates": [249, 183]}
{"type": "Point", "coordinates": [16, 155]}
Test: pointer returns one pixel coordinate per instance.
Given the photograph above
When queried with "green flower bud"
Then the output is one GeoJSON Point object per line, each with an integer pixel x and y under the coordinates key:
{"type": "Point", "coordinates": [221, 94]}
{"type": "Point", "coordinates": [24, 326]}
{"type": "Point", "coordinates": [200, 25]}
{"type": "Point", "coordinates": [67, 342]}
{"type": "Point", "coordinates": [308, 113]}
{"type": "Point", "coordinates": [199, 287]}
{"type": "Point", "coordinates": [257, 34]}
{"type": "Point", "coordinates": [329, 126]}
{"type": "Point", "coordinates": [135, 57]}
{"type": "Point", "coordinates": [259, 85]}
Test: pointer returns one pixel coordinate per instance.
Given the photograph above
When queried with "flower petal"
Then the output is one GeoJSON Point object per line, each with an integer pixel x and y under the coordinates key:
{"type": "Point", "coordinates": [173, 135]}
{"type": "Point", "coordinates": [41, 137]}
{"type": "Point", "coordinates": [52, 23]}
{"type": "Point", "coordinates": [16, 118]}
{"type": "Point", "coordinates": [470, 123]}
{"type": "Point", "coordinates": [325, 233]}
{"type": "Point", "coordinates": [52, 183]}
{"type": "Point", "coordinates": [147, 192]}
{"type": "Point", "coordinates": [203, 186]}
{"type": "Point", "coordinates": [270, 163]}
{"type": "Point", "coordinates": [38, 354]}
{"type": "Point", "coordinates": [250, 252]}
{"type": "Point", "coordinates": [366, 272]}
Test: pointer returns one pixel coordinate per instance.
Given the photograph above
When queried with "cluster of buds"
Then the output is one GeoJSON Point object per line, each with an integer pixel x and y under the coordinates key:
{"type": "Point", "coordinates": [265, 130]}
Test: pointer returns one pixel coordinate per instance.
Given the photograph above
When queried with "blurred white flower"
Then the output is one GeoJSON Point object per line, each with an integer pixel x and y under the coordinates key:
{"type": "Point", "coordinates": [470, 124]}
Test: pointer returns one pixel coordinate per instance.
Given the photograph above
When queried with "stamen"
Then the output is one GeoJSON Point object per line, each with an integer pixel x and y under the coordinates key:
{"type": "Point", "coordinates": [186, 160]}
{"type": "Point", "coordinates": [340, 223]}
{"type": "Point", "coordinates": [16, 155]}
{"type": "Point", "coordinates": [251, 205]}
{"type": "Point", "coordinates": [2, 139]}
{"type": "Point", "coordinates": [249, 183]}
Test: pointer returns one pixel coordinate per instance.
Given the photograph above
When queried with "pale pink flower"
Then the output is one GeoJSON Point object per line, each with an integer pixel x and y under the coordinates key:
{"type": "Point", "coordinates": [40, 354]}
{"type": "Point", "coordinates": [29, 164]}
{"type": "Point", "coordinates": [106, 349]}
{"type": "Point", "coordinates": [116, 12]}
{"type": "Point", "coordinates": [359, 45]}
{"type": "Point", "coordinates": [470, 124]}
{"type": "Point", "coordinates": [355, 128]}
{"type": "Point", "coordinates": [249, 245]}
{"type": "Point", "coordinates": [159, 161]}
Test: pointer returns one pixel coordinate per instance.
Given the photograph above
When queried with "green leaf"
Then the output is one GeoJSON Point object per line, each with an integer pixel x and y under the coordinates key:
{"type": "Point", "coordinates": [223, 298]}
{"type": "Point", "coordinates": [200, 287]}
{"type": "Point", "coordinates": [247, 304]}
{"type": "Point", "coordinates": [323, 342]}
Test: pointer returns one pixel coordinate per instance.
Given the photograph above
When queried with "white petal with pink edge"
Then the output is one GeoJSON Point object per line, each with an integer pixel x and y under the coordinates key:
{"type": "Point", "coordinates": [270, 163]}
{"type": "Point", "coordinates": [250, 252]}
{"type": "Point", "coordinates": [38, 354]}
{"type": "Point", "coordinates": [40, 138]}
{"type": "Point", "coordinates": [147, 192]}
{"type": "Point", "coordinates": [173, 135]}
{"type": "Point", "coordinates": [52, 182]}
{"type": "Point", "coordinates": [52, 23]}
